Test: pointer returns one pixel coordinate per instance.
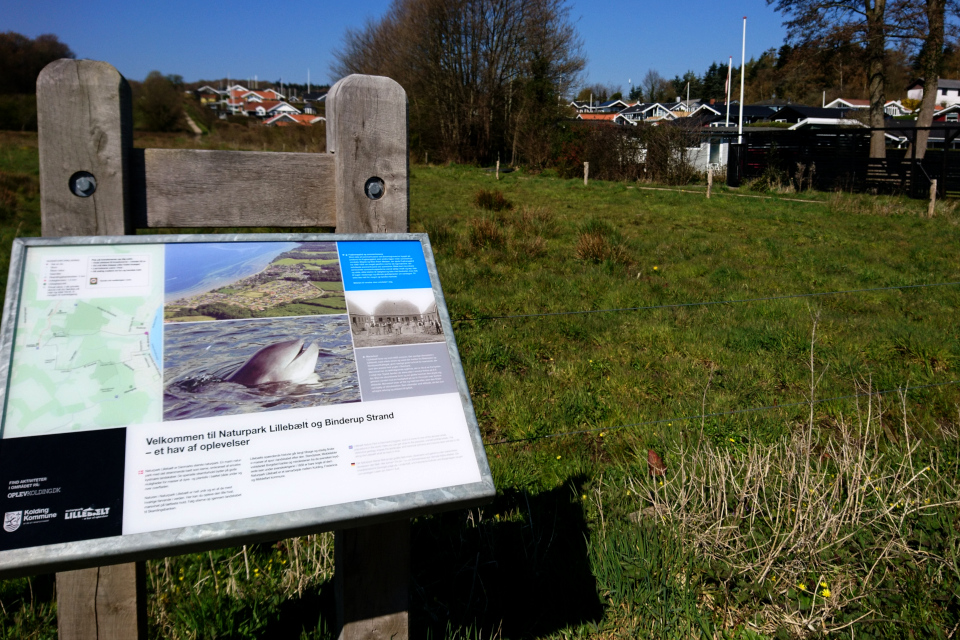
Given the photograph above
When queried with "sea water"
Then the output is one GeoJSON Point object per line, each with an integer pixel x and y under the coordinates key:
{"type": "Point", "coordinates": [194, 268]}
{"type": "Point", "coordinates": [200, 356]}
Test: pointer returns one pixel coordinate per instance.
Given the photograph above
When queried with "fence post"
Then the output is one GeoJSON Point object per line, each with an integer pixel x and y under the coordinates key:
{"type": "Point", "coordinates": [367, 132]}
{"type": "Point", "coordinates": [586, 173]}
{"type": "Point", "coordinates": [709, 181]}
{"type": "Point", "coordinates": [85, 124]}
{"type": "Point", "coordinates": [933, 197]}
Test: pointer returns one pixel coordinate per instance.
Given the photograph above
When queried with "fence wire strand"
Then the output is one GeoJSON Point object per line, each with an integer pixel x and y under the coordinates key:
{"type": "Point", "coordinates": [678, 305]}
{"type": "Point", "coordinates": [703, 416]}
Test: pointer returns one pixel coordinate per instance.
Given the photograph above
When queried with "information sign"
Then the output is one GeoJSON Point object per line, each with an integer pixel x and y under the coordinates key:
{"type": "Point", "coordinates": [170, 393]}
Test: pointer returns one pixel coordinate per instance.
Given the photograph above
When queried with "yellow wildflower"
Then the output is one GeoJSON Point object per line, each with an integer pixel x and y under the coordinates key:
{"type": "Point", "coordinates": [803, 586]}
{"type": "Point", "coordinates": [825, 593]}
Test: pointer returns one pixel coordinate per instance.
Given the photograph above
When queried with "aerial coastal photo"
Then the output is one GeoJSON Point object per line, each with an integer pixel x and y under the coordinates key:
{"type": "Point", "coordinates": [233, 281]}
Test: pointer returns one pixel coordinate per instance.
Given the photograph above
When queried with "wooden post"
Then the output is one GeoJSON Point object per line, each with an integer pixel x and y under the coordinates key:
{"type": "Point", "coordinates": [709, 181]}
{"type": "Point", "coordinates": [369, 142]}
{"type": "Point", "coordinates": [85, 122]}
{"type": "Point", "coordinates": [100, 603]}
{"type": "Point", "coordinates": [933, 196]}
{"type": "Point", "coordinates": [84, 119]}
{"type": "Point", "coordinates": [368, 137]}
{"type": "Point", "coordinates": [372, 576]}
{"type": "Point", "coordinates": [586, 173]}
{"type": "Point", "coordinates": [498, 170]}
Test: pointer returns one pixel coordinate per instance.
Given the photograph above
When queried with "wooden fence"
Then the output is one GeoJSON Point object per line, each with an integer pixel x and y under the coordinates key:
{"type": "Point", "coordinates": [841, 158]}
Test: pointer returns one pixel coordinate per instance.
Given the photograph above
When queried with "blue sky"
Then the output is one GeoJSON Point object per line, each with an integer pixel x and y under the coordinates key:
{"type": "Point", "coordinates": [273, 40]}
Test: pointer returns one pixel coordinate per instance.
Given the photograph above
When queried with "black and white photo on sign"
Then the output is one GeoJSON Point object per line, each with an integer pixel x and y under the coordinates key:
{"type": "Point", "coordinates": [391, 317]}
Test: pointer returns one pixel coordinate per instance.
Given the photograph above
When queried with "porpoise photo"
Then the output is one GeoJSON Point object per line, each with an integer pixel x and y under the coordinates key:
{"type": "Point", "coordinates": [289, 361]}
{"type": "Point", "coordinates": [241, 366]}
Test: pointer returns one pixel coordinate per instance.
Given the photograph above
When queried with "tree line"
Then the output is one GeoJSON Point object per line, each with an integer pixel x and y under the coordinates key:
{"type": "Point", "coordinates": [21, 60]}
{"type": "Point", "coordinates": [485, 78]}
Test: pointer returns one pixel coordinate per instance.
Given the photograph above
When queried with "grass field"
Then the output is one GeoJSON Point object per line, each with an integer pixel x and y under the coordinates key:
{"type": "Point", "coordinates": [621, 512]}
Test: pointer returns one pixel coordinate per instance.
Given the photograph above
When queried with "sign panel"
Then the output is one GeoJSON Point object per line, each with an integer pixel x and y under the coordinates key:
{"type": "Point", "coordinates": [167, 393]}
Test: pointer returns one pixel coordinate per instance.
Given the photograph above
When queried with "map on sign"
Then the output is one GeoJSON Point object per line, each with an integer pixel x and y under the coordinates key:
{"type": "Point", "coordinates": [88, 344]}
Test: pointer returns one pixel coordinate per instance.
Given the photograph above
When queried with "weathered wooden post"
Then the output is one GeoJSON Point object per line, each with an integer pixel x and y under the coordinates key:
{"type": "Point", "coordinates": [709, 181]}
{"type": "Point", "coordinates": [931, 207]}
{"type": "Point", "coordinates": [85, 125]}
{"type": "Point", "coordinates": [586, 173]}
{"type": "Point", "coordinates": [94, 183]}
{"type": "Point", "coordinates": [367, 135]}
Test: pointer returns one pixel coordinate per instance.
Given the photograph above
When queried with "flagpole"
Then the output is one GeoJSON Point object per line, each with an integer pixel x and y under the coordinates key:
{"type": "Point", "coordinates": [743, 69]}
{"type": "Point", "coordinates": [729, 87]}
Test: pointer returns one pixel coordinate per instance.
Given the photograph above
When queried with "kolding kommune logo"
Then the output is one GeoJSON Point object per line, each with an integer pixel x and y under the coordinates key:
{"type": "Point", "coordinates": [13, 519]}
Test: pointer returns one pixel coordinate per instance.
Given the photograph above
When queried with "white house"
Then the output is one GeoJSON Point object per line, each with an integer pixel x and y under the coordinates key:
{"type": "Point", "coordinates": [890, 107]}
{"type": "Point", "coordinates": [948, 91]}
{"type": "Point", "coordinates": [268, 108]}
{"type": "Point", "coordinates": [646, 111]}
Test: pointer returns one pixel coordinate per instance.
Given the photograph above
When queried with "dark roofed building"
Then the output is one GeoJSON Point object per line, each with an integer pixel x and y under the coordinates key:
{"type": "Point", "coordinates": [795, 113]}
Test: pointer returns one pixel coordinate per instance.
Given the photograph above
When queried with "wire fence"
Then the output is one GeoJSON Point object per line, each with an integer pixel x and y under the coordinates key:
{"type": "Point", "coordinates": [703, 416]}
{"type": "Point", "coordinates": [678, 305]}
{"type": "Point", "coordinates": [720, 414]}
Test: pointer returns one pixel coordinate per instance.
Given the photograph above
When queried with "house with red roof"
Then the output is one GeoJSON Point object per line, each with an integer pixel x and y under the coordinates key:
{"type": "Point", "coordinates": [259, 96]}
{"type": "Point", "coordinates": [287, 119]}
{"type": "Point", "coordinates": [268, 108]}
{"type": "Point", "coordinates": [597, 117]}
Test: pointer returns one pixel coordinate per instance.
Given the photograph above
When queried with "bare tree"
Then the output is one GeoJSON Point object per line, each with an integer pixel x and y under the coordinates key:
{"type": "Point", "coordinates": [859, 21]}
{"type": "Point", "coordinates": [466, 66]}
{"type": "Point", "coordinates": [598, 91]}
{"type": "Point", "coordinates": [924, 25]}
{"type": "Point", "coordinates": [654, 86]}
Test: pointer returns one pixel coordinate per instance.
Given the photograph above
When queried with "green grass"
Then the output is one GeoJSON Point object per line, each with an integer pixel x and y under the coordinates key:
{"type": "Point", "coordinates": [319, 262]}
{"type": "Point", "coordinates": [327, 286]}
{"type": "Point", "coordinates": [582, 541]}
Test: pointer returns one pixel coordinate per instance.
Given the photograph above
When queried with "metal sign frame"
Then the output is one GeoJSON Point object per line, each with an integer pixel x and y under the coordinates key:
{"type": "Point", "coordinates": [140, 546]}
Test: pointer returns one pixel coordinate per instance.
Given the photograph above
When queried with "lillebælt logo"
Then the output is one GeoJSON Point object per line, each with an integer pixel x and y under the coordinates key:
{"type": "Point", "coordinates": [12, 520]}
{"type": "Point", "coordinates": [86, 514]}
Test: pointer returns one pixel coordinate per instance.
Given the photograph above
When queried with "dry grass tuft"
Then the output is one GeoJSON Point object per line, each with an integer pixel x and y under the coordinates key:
{"type": "Point", "coordinates": [491, 200]}
{"type": "Point", "coordinates": [596, 248]}
{"type": "Point", "coordinates": [486, 233]}
{"type": "Point", "coordinates": [796, 513]}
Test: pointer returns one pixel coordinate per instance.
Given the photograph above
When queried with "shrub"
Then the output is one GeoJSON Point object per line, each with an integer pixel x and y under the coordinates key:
{"type": "Point", "coordinates": [595, 247]}
{"type": "Point", "coordinates": [440, 234]}
{"type": "Point", "coordinates": [491, 200]}
{"type": "Point", "coordinates": [485, 233]}
{"type": "Point", "coordinates": [18, 112]}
